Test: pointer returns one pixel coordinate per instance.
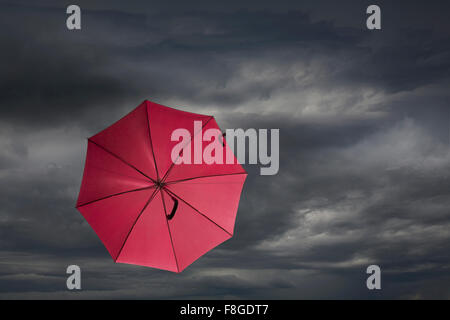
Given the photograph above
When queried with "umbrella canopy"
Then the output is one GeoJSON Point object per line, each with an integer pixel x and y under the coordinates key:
{"type": "Point", "coordinates": [146, 209]}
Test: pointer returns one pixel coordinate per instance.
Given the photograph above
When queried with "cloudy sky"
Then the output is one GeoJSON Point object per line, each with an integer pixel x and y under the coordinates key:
{"type": "Point", "coordinates": [364, 142]}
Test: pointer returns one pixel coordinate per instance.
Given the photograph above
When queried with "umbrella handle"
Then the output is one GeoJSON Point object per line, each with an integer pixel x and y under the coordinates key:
{"type": "Point", "coordinates": [174, 209]}
{"type": "Point", "coordinates": [221, 138]}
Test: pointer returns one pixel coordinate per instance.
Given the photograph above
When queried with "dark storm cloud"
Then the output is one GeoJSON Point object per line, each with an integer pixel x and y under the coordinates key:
{"type": "Point", "coordinates": [363, 120]}
{"type": "Point", "coordinates": [197, 56]}
{"type": "Point", "coordinates": [189, 56]}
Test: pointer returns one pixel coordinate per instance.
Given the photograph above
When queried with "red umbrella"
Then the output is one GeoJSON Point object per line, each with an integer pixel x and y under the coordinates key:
{"type": "Point", "coordinates": [147, 210]}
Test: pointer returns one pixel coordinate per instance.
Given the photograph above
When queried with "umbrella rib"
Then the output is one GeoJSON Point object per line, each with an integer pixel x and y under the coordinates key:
{"type": "Point", "coordinates": [170, 233]}
{"type": "Point", "coordinates": [115, 155]}
{"type": "Point", "coordinates": [169, 191]}
{"type": "Point", "coordinates": [173, 163]}
{"type": "Point", "coordinates": [113, 195]}
{"type": "Point", "coordinates": [200, 177]}
{"type": "Point", "coordinates": [119, 174]}
{"type": "Point", "coordinates": [151, 142]}
{"type": "Point", "coordinates": [135, 221]}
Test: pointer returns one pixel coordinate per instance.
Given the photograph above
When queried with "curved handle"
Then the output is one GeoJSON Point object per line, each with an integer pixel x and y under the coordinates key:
{"type": "Point", "coordinates": [222, 138]}
{"type": "Point", "coordinates": [174, 209]}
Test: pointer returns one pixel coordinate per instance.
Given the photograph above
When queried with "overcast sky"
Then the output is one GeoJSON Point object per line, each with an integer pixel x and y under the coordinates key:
{"type": "Point", "coordinates": [364, 142]}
